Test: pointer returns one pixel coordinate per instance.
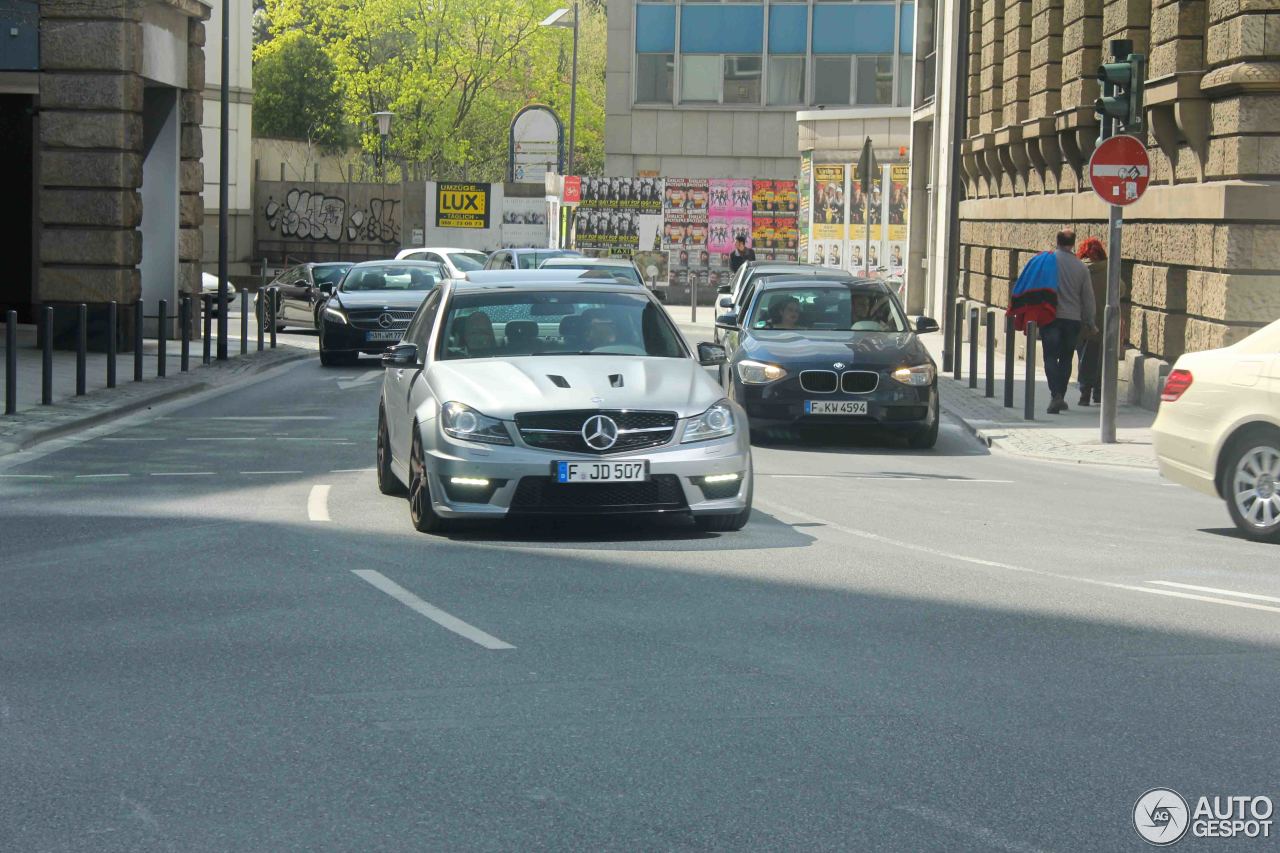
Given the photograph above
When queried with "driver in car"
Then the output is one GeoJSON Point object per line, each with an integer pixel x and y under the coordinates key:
{"type": "Point", "coordinates": [785, 313]}
{"type": "Point", "coordinates": [601, 333]}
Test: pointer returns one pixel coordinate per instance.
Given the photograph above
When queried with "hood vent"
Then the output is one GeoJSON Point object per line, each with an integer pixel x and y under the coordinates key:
{"type": "Point", "coordinates": [615, 380]}
{"type": "Point", "coordinates": [558, 381]}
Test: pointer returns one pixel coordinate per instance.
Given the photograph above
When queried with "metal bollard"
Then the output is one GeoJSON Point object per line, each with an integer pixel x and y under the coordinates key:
{"type": "Point", "coordinates": [138, 318]}
{"type": "Point", "coordinates": [82, 347]}
{"type": "Point", "coordinates": [1029, 406]}
{"type": "Point", "coordinates": [113, 329]}
{"type": "Point", "coordinates": [957, 346]}
{"type": "Point", "coordinates": [46, 365]}
{"type": "Point", "coordinates": [10, 362]}
{"type": "Point", "coordinates": [991, 355]}
{"type": "Point", "coordinates": [186, 332]}
{"type": "Point", "coordinates": [973, 347]}
{"type": "Point", "coordinates": [272, 297]}
{"type": "Point", "coordinates": [162, 336]}
{"type": "Point", "coordinates": [206, 305]}
{"type": "Point", "coordinates": [244, 322]}
{"type": "Point", "coordinates": [257, 318]}
{"type": "Point", "coordinates": [1008, 361]}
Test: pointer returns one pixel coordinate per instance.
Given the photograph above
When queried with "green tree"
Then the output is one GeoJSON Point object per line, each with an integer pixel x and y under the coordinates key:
{"type": "Point", "coordinates": [296, 91]}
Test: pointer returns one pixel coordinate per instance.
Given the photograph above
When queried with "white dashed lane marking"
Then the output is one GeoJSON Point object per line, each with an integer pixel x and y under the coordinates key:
{"type": "Point", "coordinates": [318, 503]}
{"type": "Point", "coordinates": [445, 620]}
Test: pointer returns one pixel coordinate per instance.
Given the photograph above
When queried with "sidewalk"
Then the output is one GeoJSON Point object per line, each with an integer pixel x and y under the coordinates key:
{"type": "Point", "coordinates": [1068, 437]}
{"type": "Point", "coordinates": [34, 423]}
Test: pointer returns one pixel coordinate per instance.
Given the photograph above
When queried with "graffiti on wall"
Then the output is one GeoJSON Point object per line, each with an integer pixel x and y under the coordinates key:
{"type": "Point", "coordinates": [306, 215]}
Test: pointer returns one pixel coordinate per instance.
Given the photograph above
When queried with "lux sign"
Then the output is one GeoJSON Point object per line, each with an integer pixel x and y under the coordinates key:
{"type": "Point", "coordinates": [462, 205]}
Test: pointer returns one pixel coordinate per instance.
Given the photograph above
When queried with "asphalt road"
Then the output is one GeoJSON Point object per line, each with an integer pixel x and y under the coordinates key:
{"type": "Point", "coordinates": [215, 634]}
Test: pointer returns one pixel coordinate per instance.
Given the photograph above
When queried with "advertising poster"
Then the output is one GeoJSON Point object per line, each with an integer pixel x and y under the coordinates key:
{"type": "Point", "coordinates": [684, 212]}
{"type": "Point", "coordinates": [728, 214]}
{"type": "Point", "coordinates": [828, 203]}
{"type": "Point", "coordinates": [623, 193]}
{"type": "Point", "coordinates": [524, 223]}
{"type": "Point", "coordinates": [462, 205]}
{"type": "Point", "coordinates": [899, 175]}
{"type": "Point", "coordinates": [610, 215]}
{"type": "Point", "coordinates": [805, 191]}
{"type": "Point", "coordinates": [607, 229]}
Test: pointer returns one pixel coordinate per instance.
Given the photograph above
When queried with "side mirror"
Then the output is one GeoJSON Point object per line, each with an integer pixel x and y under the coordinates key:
{"type": "Point", "coordinates": [727, 321]}
{"type": "Point", "coordinates": [725, 302]}
{"type": "Point", "coordinates": [326, 288]}
{"type": "Point", "coordinates": [923, 325]}
{"type": "Point", "coordinates": [710, 355]}
{"type": "Point", "coordinates": [401, 355]}
{"type": "Point", "coordinates": [724, 288]}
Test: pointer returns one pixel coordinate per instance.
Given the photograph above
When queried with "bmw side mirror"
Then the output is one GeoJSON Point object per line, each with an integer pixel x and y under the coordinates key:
{"type": "Point", "coordinates": [722, 289]}
{"type": "Point", "coordinates": [326, 288]}
{"type": "Point", "coordinates": [925, 324]}
{"type": "Point", "coordinates": [401, 355]}
{"type": "Point", "coordinates": [710, 355]}
{"type": "Point", "coordinates": [727, 321]}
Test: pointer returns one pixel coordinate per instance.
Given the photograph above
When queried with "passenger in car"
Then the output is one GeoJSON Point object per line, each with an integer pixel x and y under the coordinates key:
{"type": "Point", "coordinates": [477, 333]}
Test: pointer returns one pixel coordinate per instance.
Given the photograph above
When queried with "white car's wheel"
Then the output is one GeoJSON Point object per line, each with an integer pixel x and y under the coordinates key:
{"type": "Point", "coordinates": [1252, 487]}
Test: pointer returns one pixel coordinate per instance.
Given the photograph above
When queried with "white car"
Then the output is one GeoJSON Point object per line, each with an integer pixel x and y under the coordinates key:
{"type": "Point", "coordinates": [456, 262]}
{"type": "Point", "coordinates": [1218, 429]}
{"type": "Point", "coordinates": [576, 398]}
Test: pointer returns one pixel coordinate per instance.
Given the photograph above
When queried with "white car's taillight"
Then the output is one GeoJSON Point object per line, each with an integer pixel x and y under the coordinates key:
{"type": "Point", "coordinates": [1176, 385]}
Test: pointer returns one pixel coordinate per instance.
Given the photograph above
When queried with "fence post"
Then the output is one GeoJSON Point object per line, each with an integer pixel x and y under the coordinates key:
{"type": "Point", "coordinates": [973, 347]}
{"type": "Point", "coordinates": [162, 336]}
{"type": "Point", "coordinates": [991, 354]}
{"type": "Point", "coordinates": [1008, 361]}
{"type": "Point", "coordinates": [958, 344]}
{"type": "Point", "coordinates": [272, 295]}
{"type": "Point", "coordinates": [10, 362]}
{"type": "Point", "coordinates": [1029, 406]}
{"type": "Point", "coordinates": [206, 308]}
{"type": "Point", "coordinates": [259, 315]}
{"type": "Point", "coordinates": [138, 317]}
{"type": "Point", "coordinates": [113, 329]}
{"type": "Point", "coordinates": [82, 347]}
{"type": "Point", "coordinates": [46, 364]}
{"type": "Point", "coordinates": [186, 332]}
{"type": "Point", "coordinates": [244, 322]}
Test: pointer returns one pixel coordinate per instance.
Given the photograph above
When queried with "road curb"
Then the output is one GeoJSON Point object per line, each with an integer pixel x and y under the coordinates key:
{"type": "Point", "coordinates": [26, 440]}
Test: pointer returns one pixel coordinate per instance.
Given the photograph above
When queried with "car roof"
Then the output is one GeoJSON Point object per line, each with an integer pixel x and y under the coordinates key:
{"type": "Point", "coordinates": [785, 266]}
{"type": "Point", "coordinates": [314, 264]}
{"type": "Point", "coordinates": [439, 249]}
{"type": "Point", "coordinates": [809, 281]}
{"type": "Point", "coordinates": [538, 276]}
{"type": "Point", "coordinates": [552, 284]}
{"type": "Point", "coordinates": [597, 262]}
{"type": "Point", "coordinates": [405, 263]}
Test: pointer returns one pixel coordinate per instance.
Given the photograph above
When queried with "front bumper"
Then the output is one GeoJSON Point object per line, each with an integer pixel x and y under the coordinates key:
{"type": "Point", "coordinates": [344, 337]}
{"type": "Point", "coordinates": [520, 479]}
{"type": "Point", "coordinates": [891, 406]}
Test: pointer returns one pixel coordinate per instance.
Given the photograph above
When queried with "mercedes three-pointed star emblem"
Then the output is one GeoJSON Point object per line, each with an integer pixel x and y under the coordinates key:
{"type": "Point", "coordinates": [600, 432]}
{"type": "Point", "coordinates": [386, 321]}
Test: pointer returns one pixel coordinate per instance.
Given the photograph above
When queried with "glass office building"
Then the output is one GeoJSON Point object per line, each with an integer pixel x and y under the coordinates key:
{"type": "Point", "coordinates": [711, 89]}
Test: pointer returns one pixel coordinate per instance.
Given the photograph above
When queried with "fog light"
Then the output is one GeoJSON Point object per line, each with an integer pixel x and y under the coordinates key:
{"type": "Point", "coordinates": [478, 482]}
{"type": "Point", "coordinates": [719, 478]}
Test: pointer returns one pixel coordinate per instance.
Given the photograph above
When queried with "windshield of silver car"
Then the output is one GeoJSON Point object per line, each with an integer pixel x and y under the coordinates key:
{"type": "Point", "coordinates": [522, 323]}
{"type": "Point", "coordinates": [830, 309]}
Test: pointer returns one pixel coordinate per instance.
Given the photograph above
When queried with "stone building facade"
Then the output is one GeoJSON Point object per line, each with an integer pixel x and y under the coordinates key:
{"type": "Point", "coordinates": [1201, 251]}
{"type": "Point", "coordinates": [110, 102]}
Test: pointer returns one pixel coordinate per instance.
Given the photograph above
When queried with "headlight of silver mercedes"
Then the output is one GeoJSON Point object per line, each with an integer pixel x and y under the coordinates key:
{"type": "Point", "coordinates": [335, 315]}
{"type": "Point", "coordinates": [465, 423]}
{"type": "Point", "coordinates": [715, 422]}
{"type": "Point", "coordinates": [919, 375]}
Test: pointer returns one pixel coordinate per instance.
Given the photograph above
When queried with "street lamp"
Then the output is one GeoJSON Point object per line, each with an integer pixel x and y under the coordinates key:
{"type": "Point", "coordinates": [560, 18]}
{"type": "Point", "coordinates": [384, 130]}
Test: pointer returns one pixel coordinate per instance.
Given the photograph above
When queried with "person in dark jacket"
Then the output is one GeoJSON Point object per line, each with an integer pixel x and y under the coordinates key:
{"type": "Point", "coordinates": [1090, 346]}
{"type": "Point", "coordinates": [740, 254]}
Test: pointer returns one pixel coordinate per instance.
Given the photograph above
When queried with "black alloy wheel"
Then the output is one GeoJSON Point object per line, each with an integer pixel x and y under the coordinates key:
{"type": "Point", "coordinates": [388, 482]}
{"type": "Point", "coordinates": [421, 513]}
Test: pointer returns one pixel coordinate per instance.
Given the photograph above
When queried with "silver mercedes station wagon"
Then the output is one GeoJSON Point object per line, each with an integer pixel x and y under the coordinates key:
{"type": "Point", "coordinates": [566, 398]}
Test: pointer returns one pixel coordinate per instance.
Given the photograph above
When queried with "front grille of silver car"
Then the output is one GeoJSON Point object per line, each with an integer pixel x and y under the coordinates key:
{"type": "Point", "coordinates": [859, 381]}
{"type": "Point", "coordinates": [367, 318]}
{"type": "Point", "coordinates": [563, 430]}
{"type": "Point", "coordinates": [819, 381]}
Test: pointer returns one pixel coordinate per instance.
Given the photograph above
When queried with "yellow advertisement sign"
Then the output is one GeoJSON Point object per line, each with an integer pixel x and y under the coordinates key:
{"type": "Point", "coordinates": [899, 177]}
{"type": "Point", "coordinates": [462, 205]}
{"type": "Point", "coordinates": [828, 202]}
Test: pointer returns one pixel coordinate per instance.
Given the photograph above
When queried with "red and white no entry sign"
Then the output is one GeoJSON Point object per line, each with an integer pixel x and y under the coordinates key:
{"type": "Point", "coordinates": [1120, 170]}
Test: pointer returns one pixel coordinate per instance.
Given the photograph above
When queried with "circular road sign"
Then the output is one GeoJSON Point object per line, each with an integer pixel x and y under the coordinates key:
{"type": "Point", "coordinates": [1120, 170]}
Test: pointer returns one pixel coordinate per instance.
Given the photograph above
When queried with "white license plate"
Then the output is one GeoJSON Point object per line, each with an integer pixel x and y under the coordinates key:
{"type": "Point", "coordinates": [382, 336]}
{"type": "Point", "coordinates": [601, 472]}
{"type": "Point", "coordinates": [835, 407]}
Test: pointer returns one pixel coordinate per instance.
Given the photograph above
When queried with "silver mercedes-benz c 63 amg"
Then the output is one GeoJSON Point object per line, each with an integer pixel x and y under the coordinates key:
{"type": "Point", "coordinates": [564, 398]}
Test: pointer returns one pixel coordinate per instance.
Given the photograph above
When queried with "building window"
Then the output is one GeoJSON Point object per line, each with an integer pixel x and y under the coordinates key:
{"type": "Point", "coordinates": [831, 80]}
{"type": "Point", "coordinates": [905, 67]}
{"type": "Point", "coordinates": [742, 80]}
{"type": "Point", "coordinates": [655, 75]}
{"type": "Point", "coordinates": [700, 79]}
{"type": "Point", "coordinates": [786, 80]}
{"type": "Point", "coordinates": [875, 80]}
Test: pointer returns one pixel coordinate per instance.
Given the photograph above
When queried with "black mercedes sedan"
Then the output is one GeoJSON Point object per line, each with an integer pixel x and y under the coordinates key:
{"type": "Point", "coordinates": [813, 352]}
{"type": "Point", "coordinates": [372, 306]}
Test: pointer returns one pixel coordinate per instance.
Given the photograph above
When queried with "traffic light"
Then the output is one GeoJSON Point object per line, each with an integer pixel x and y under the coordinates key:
{"type": "Point", "coordinates": [1125, 80]}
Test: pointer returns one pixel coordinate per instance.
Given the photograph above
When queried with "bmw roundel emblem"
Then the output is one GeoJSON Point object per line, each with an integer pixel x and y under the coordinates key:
{"type": "Point", "coordinates": [839, 365]}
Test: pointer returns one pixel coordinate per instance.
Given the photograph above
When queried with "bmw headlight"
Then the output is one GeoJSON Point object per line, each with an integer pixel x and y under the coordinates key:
{"type": "Point", "coordinates": [921, 374]}
{"type": "Point", "coordinates": [715, 422]}
{"type": "Point", "coordinates": [335, 315]}
{"type": "Point", "coordinates": [759, 373]}
{"type": "Point", "coordinates": [465, 423]}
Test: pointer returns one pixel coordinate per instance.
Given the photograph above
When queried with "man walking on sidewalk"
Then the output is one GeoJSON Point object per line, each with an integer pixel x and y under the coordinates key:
{"type": "Point", "coordinates": [1075, 313]}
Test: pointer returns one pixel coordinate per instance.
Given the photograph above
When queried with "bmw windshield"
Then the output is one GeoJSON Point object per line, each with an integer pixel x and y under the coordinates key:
{"type": "Point", "coordinates": [498, 324]}
{"type": "Point", "coordinates": [830, 308]}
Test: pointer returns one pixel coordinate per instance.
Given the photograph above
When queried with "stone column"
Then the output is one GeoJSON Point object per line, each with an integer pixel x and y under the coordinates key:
{"type": "Point", "coordinates": [992, 66]}
{"type": "Point", "coordinates": [1046, 57]}
{"type": "Point", "coordinates": [1016, 71]}
{"type": "Point", "coordinates": [191, 181]}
